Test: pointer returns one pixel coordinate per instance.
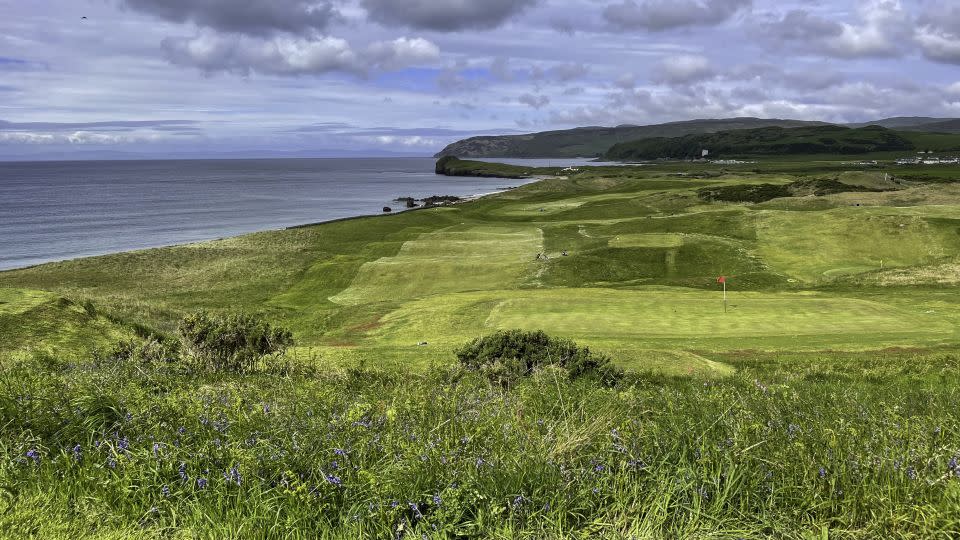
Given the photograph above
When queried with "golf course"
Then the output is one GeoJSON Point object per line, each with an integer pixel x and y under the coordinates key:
{"type": "Point", "coordinates": [811, 395]}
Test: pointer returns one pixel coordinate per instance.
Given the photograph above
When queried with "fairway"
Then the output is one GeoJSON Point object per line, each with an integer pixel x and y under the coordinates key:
{"type": "Point", "coordinates": [475, 258]}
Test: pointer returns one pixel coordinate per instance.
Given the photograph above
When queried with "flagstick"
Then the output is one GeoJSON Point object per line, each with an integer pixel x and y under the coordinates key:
{"type": "Point", "coordinates": [724, 296]}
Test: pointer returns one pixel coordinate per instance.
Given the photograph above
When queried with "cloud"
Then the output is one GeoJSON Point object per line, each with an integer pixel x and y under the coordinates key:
{"type": "Point", "coordinates": [252, 17]}
{"type": "Point", "coordinates": [568, 72]}
{"type": "Point", "coordinates": [656, 15]}
{"type": "Point", "coordinates": [938, 33]}
{"type": "Point", "coordinates": [107, 125]}
{"type": "Point", "coordinates": [884, 29]}
{"type": "Point", "coordinates": [212, 52]}
{"type": "Point", "coordinates": [683, 69]}
{"type": "Point", "coordinates": [445, 15]}
{"type": "Point", "coordinates": [535, 101]}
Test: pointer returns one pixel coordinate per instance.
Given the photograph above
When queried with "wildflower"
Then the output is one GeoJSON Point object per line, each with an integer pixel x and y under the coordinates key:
{"type": "Point", "coordinates": [415, 508]}
{"type": "Point", "coordinates": [953, 464]}
{"type": "Point", "coordinates": [519, 500]}
{"type": "Point", "coordinates": [334, 465]}
{"type": "Point", "coordinates": [77, 453]}
{"type": "Point", "coordinates": [335, 480]}
{"type": "Point", "coordinates": [183, 472]}
{"type": "Point", "coordinates": [339, 452]}
{"type": "Point", "coordinates": [156, 449]}
{"type": "Point", "coordinates": [436, 500]}
{"type": "Point", "coordinates": [911, 473]}
{"type": "Point", "coordinates": [480, 462]}
{"type": "Point", "coordinates": [112, 463]}
{"type": "Point", "coordinates": [792, 430]}
{"type": "Point", "coordinates": [34, 455]}
{"type": "Point", "coordinates": [182, 430]}
{"type": "Point", "coordinates": [201, 483]}
{"type": "Point", "coordinates": [822, 473]}
{"type": "Point", "coordinates": [165, 491]}
{"type": "Point", "coordinates": [266, 408]}
{"type": "Point", "coordinates": [123, 444]}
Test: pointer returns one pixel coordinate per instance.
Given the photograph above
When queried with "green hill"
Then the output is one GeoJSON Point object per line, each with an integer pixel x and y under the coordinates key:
{"type": "Point", "coordinates": [594, 141]}
{"type": "Point", "coordinates": [768, 141]}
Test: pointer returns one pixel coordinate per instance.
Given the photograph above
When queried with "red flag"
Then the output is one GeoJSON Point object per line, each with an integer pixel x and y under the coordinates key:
{"type": "Point", "coordinates": [722, 279]}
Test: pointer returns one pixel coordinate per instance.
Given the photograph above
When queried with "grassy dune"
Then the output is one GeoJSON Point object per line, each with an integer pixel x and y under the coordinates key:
{"type": "Point", "coordinates": [821, 403]}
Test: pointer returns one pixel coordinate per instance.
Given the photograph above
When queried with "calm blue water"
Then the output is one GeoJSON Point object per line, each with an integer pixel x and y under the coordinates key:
{"type": "Point", "coordinates": [51, 211]}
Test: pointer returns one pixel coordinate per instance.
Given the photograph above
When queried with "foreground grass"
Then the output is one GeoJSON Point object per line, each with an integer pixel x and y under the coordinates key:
{"type": "Point", "coordinates": [794, 448]}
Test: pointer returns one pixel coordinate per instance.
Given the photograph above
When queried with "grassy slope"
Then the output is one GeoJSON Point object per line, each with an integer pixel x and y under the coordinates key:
{"type": "Point", "coordinates": [784, 141]}
{"type": "Point", "coordinates": [644, 254]}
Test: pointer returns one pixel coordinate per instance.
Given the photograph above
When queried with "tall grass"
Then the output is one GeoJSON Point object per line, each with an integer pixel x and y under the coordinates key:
{"type": "Point", "coordinates": [785, 449]}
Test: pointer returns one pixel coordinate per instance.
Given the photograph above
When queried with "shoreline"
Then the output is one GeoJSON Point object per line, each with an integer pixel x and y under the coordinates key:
{"type": "Point", "coordinates": [466, 199]}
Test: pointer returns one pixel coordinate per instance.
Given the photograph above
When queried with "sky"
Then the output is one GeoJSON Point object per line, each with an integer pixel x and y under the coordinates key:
{"type": "Point", "coordinates": [171, 78]}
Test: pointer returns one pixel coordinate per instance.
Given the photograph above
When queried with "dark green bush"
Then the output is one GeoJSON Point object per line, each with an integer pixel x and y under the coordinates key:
{"type": "Point", "coordinates": [233, 343]}
{"type": "Point", "coordinates": [508, 355]}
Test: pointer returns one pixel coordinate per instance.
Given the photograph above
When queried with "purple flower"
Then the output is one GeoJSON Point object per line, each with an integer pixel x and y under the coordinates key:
{"type": "Point", "coordinates": [183, 472]}
{"type": "Point", "coordinates": [598, 468]}
{"type": "Point", "coordinates": [112, 463]}
{"type": "Point", "coordinates": [911, 473]}
{"type": "Point", "coordinates": [822, 473]}
{"type": "Point", "coordinates": [416, 510]}
{"type": "Point", "coordinates": [339, 452]}
{"type": "Point", "coordinates": [480, 462]}
{"type": "Point", "coordinates": [123, 444]}
{"type": "Point", "coordinates": [182, 430]}
{"type": "Point", "coordinates": [953, 464]}
{"type": "Point", "coordinates": [77, 453]}
{"type": "Point", "coordinates": [436, 500]}
{"type": "Point", "coordinates": [519, 500]}
{"type": "Point", "coordinates": [34, 455]}
{"type": "Point", "coordinates": [156, 448]}
{"type": "Point", "coordinates": [201, 483]}
{"type": "Point", "coordinates": [334, 479]}
{"type": "Point", "coordinates": [165, 491]}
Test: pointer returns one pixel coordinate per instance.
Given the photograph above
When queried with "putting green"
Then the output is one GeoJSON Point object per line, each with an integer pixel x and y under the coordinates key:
{"type": "Point", "coordinates": [476, 258]}
{"type": "Point", "coordinates": [641, 318]}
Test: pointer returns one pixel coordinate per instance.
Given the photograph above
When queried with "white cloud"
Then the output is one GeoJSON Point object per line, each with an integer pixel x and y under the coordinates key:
{"type": "Point", "coordinates": [211, 52]}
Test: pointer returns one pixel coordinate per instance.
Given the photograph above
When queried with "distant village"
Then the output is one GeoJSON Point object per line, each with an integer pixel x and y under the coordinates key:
{"type": "Point", "coordinates": [924, 158]}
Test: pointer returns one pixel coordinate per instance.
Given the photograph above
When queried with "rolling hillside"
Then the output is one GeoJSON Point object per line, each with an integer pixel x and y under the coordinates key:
{"type": "Point", "coordinates": [769, 141]}
{"type": "Point", "coordinates": [594, 141]}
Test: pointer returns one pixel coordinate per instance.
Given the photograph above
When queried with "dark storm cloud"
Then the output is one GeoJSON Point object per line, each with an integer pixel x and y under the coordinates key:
{"type": "Point", "coordinates": [445, 15]}
{"type": "Point", "coordinates": [658, 15]}
{"type": "Point", "coordinates": [254, 17]}
{"type": "Point", "coordinates": [72, 126]}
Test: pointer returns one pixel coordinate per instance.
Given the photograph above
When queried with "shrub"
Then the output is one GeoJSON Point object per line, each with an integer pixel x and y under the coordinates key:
{"type": "Point", "coordinates": [508, 355]}
{"type": "Point", "coordinates": [146, 351]}
{"type": "Point", "coordinates": [234, 343]}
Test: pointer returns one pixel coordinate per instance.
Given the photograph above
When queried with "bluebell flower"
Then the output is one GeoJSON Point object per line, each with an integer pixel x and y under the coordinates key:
{"type": "Point", "coordinates": [156, 448]}
{"type": "Point", "coordinates": [334, 479]}
{"type": "Point", "coordinates": [822, 473]}
{"type": "Point", "coordinates": [436, 500]}
{"type": "Point", "coordinates": [77, 453]}
{"type": "Point", "coordinates": [123, 444]}
{"type": "Point", "coordinates": [598, 468]}
{"type": "Point", "coordinates": [334, 465]}
{"type": "Point", "coordinates": [416, 510]}
{"type": "Point", "coordinates": [183, 472]}
{"type": "Point", "coordinates": [339, 452]}
{"type": "Point", "coordinates": [480, 462]}
{"type": "Point", "coordinates": [112, 463]}
{"type": "Point", "coordinates": [911, 473]}
{"type": "Point", "coordinates": [202, 483]}
{"type": "Point", "coordinates": [165, 491]}
{"type": "Point", "coordinates": [182, 430]}
{"type": "Point", "coordinates": [34, 455]}
{"type": "Point", "coordinates": [952, 464]}
{"type": "Point", "coordinates": [518, 500]}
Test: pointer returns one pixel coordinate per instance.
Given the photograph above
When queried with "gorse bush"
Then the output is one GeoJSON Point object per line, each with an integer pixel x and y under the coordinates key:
{"type": "Point", "coordinates": [233, 343]}
{"type": "Point", "coordinates": [507, 355]}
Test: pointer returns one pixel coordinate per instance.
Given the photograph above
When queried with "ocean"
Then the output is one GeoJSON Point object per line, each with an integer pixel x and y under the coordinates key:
{"type": "Point", "coordinates": [51, 211]}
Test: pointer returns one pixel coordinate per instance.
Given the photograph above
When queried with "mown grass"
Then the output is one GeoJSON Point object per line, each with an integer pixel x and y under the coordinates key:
{"type": "Point", "coordinates": [797, 448]}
